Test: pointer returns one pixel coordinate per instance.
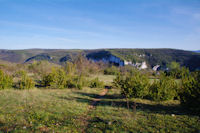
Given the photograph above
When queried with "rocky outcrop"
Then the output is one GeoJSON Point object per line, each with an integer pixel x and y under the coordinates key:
{"type": "Point", "coordinates": [39, 57]}
{"type": "Point", "coordinates": [109, 59]}
{"type": "Point", "coordinates": [155, 68]}
{"type": "Point", "coordinates": [138, 65]}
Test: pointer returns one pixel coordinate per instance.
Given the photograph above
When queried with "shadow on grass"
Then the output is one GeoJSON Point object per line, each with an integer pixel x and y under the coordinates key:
{"type": "Point", "coordinates": [116, 96]}
{"type": "Point", "coordinates": [118, 101]}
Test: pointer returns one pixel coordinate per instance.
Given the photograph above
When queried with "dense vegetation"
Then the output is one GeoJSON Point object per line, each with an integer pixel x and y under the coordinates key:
{"type": "Point", "coordinates": [167, 87]}
{"type": "Point", "coordinates": [190, 91]}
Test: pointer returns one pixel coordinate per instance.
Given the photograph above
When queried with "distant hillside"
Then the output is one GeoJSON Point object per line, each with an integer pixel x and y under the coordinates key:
{"type": "Point", "coordinates": [22, 56]}
{"type": "Point", "coordinates": [151, 56]}
{"type": "Point", "coordinates": [159, 56]}
{"type": "Point", "coordinates": [197, 51]}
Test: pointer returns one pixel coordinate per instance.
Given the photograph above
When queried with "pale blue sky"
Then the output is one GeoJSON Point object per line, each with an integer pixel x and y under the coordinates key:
{"type": "Point", "coordinates": [89, 24]}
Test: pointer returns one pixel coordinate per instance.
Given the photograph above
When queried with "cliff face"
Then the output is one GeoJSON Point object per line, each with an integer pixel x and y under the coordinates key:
{"type": "Point", "coordinates": [109, 59]}
{"type": "Point", "coordinates": [117, 61]}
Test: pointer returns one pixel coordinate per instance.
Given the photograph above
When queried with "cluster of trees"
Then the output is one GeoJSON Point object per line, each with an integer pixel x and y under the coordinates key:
{"type": "Point", "coordinates": [176, 71]}
{"type": "Point", "coordinates": [58, 78]}
{"type": "Point", "coordinates": [44, 74]}
{"type": "Point", "coordinates": [138, 85]}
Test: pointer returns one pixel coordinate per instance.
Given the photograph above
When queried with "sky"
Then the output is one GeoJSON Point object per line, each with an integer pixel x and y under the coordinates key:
{"type": "Point", "coordinates": [93, 24]}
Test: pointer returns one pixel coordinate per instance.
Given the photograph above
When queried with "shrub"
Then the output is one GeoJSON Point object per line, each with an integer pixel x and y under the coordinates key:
{"type": "Point", "coordinates": [55, 79]}
{"type": "Point", "coordinates": [25, 82]}
{"type": "Point", "coordinates": [59, 79]}
{"type": "Point", "coordinates": [178, 73]}
{"type": "Point", "coordinates": [96, 83]}
{"type": "Point", "coordinates": [47, 80]}
{"type": "Point", "coordinates": [134, 84]}
{"type": "Point", "coordinates": [118, 81]}
{"type": "Point", "coordinates": [163, 89]}
{"type": "Point", "coordinates": [6, 81]}
{"type": "Point", "coordinates": [190, 92]}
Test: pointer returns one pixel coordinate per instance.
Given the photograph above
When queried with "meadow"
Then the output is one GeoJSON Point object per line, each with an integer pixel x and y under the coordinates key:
{"type": "Point", "coordinates": [88, 97]}
{"type": "Point", "coordinates": [74, 110]}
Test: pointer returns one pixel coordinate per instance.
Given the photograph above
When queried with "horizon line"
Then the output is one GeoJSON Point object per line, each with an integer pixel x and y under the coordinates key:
{"type": "Point", "coordinates": [92, 49]}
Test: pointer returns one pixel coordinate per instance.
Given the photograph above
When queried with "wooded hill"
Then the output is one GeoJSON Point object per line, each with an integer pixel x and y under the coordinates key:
{"type": "Point", "coordinates": [151, 56]}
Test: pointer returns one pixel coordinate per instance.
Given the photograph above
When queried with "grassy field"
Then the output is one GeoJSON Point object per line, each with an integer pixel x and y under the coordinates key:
{"type": "Point", "coordinates": [107, 79]}
{"type": "Point", "coordinates": [43, 110]}
{"type": "Point", "coordinates": [71, 110]}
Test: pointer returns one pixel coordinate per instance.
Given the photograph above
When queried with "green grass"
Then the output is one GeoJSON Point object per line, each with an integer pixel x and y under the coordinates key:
{"type": "Point", "coordinates": [111, 115]}
{"type": "Point", "coordinates": [67, 110]}
{"type": "Point", "coordinates": [107, 79]}
{"type": "Point", "coordinates": [43, 110]}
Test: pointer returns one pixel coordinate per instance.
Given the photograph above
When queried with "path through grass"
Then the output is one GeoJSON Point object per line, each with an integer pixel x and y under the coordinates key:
{"type": "Point", "coordinates": [72, 110]}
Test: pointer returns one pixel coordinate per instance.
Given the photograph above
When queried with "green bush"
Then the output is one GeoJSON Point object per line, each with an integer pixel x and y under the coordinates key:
{"type": "Point", "coordinates": [133, 85]}
{"type": "Point", "coordinates": [25, 82]}
{"type": "Point", "coordinates": [190, 92]}
{"type": "Point", "coordinates": [163, 89]}
{"type": "Point", "coordinates": [6, 81]}
{"type": "Point", "coordinates": [59, 79]}
{"type": "Point", "coordinates": [178, 73]}
{"type": "Point", "coordinates": [136, 85]}
{"type": "Point", "coordinates": [47, 80]}
{"type": "Point", "coordinates": [118, 81]}
{"type": "Point", "coordinates": [96, 83]}
{"type": "Point", "coordinates": [56, 79]}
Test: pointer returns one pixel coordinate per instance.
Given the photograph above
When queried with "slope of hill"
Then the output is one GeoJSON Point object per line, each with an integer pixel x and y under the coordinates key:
{"type": "Point", "coordinates": [159, 56]}
{"type": "Point", "coordinates": [197, 51]}
{"type": "Point", "coordinates": [153, 57]}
